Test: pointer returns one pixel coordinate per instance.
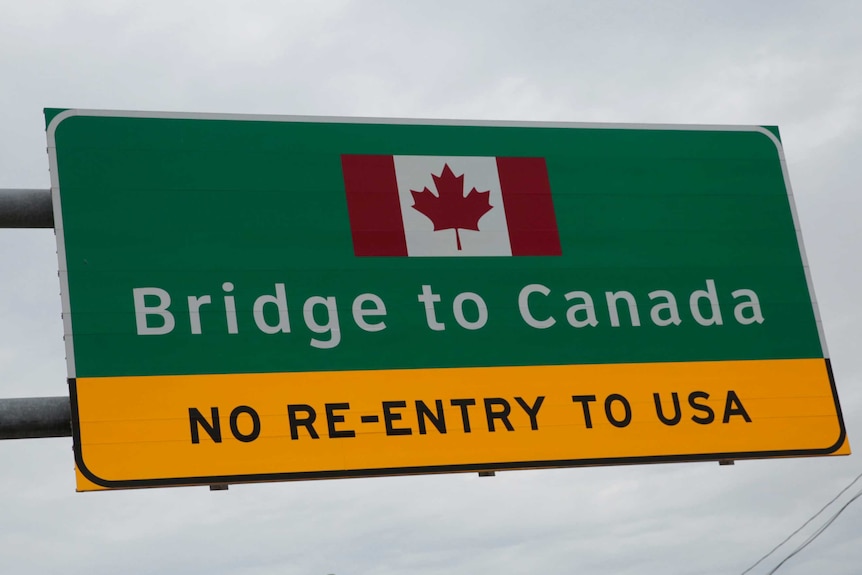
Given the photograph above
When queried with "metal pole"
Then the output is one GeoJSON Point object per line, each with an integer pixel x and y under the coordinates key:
{"type": "Point", "coordinates": [31, 417]}
{"type": "Point", "coordinates": [21, 208]}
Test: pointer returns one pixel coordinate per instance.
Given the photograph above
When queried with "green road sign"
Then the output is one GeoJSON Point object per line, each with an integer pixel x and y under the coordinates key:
{"type": "Point", "coordinates": [201, 256]}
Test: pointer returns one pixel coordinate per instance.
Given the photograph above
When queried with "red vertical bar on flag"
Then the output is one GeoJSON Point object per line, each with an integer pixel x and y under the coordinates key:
{"type": "Point", "coordinates": [529, 207]}
{"type": "Point", "coordinates": [373, 205]}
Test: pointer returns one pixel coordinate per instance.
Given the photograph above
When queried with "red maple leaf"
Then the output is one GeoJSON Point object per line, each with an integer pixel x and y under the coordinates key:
{"type": "Point", "coordinates": [450, 208]}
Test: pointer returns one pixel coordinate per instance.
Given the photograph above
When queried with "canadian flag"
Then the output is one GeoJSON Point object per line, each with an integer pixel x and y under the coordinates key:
{"type": "Point", "coordinates": [449, 206]}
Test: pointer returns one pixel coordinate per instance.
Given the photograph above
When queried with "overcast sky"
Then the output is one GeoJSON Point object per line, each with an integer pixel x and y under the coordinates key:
{"type": "Point", "coordinates": [794, 64]}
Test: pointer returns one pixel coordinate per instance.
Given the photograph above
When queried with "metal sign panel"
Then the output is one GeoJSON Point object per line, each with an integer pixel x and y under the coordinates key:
{"type": "Point", "coordinates": [256, 298]}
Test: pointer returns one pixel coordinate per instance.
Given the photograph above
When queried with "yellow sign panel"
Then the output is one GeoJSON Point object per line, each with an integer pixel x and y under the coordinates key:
{"type": "Point", "coordinates": [232, 428]}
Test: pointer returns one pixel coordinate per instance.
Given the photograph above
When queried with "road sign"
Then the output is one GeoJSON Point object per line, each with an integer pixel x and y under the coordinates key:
{"type": "Point", "coordinates": [256, 298]}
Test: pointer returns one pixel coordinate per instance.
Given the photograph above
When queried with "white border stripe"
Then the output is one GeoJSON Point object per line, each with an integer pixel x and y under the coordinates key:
{"type": "Point", "coordinates": [398, 121]}
{"type": "Point", "coordinates": [792, 201]}
{"type": "Point", "coordinates": [63, 272]}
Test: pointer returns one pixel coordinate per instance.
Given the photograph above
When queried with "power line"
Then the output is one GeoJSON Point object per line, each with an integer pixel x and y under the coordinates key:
{"type": "Point", "coordinates": [817, 533]}
{"type": "Point", "coordinates": [810, 519]}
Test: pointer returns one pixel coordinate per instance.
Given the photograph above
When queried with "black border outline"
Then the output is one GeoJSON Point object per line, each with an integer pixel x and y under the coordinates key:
{"type": "Point", "coordinates": [437, 469]}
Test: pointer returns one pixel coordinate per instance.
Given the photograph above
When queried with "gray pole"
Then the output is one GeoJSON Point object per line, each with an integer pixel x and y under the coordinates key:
{"type": "Point", "coordinates": [30, 417]}
{"type": "Point", "coordinates": [26, 209]}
